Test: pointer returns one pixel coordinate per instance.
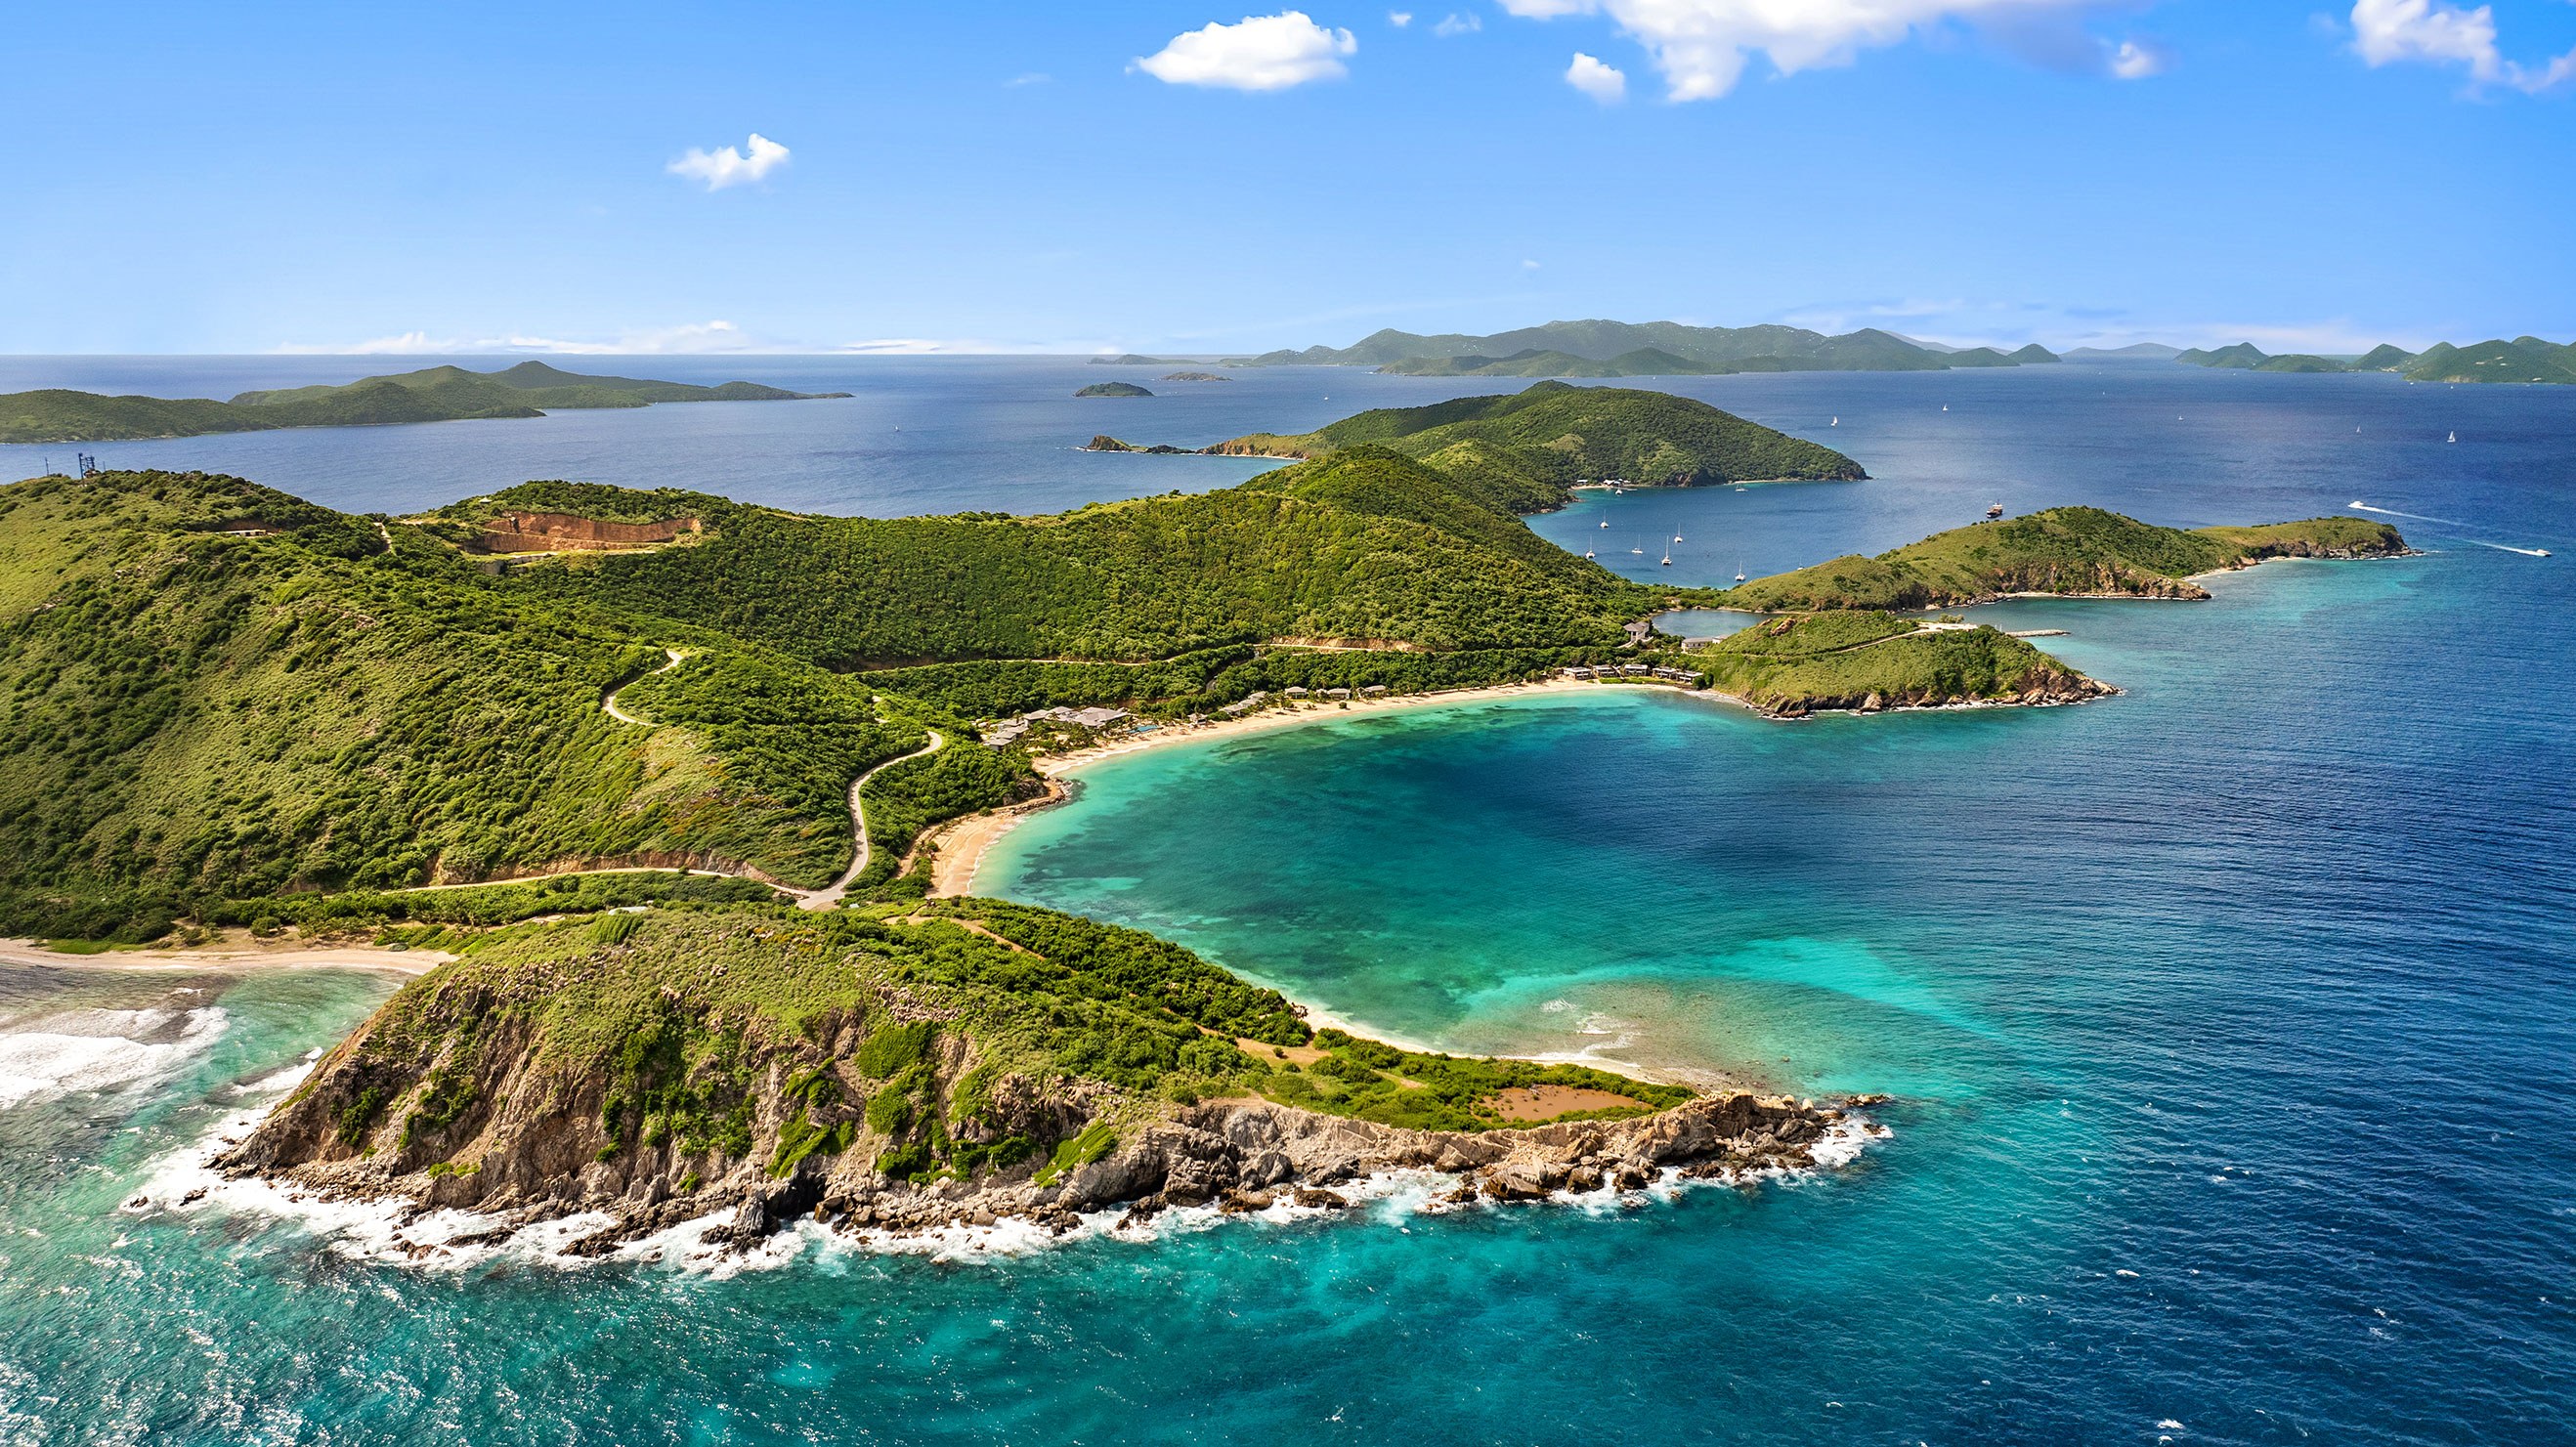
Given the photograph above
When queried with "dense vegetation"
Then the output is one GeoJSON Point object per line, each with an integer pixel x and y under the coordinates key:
{"type": "Point", "coordinates": [1644, 349]}
{"type": "Point", "coordinates": [1367, 544]}
{"type": "Point", "coordinates": [1113, 389]}
{"type": "Point", "coordinates": [1522, 452]}
{"type": "Point", "coordinates": [2072, 550]}
{"type": "Point", "coordinates": [942, 1044]}
{"type": "Point", "coordinates": [189, 715]}
{"type": "Point", "coordinates": [433, 394]}
{"type": "Point", "coordinates": [1799, 663]}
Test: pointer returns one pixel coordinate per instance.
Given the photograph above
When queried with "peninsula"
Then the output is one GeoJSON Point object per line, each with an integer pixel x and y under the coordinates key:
{"type": "Point", "coordinates": [667, 802]}
{"type": "Point", "coordinates": [433, 394]}
{"type": "Point", "coordinates": [2076, 552]}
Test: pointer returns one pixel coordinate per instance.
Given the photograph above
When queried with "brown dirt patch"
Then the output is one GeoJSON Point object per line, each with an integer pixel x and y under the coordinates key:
{"type": "Point", "coordinates": [1546, 1102]}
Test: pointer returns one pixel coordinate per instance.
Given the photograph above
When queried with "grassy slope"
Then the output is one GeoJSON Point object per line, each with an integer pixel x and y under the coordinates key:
{"type": "Point", "coordinates": [1804, 662]}
{"type": "Point", "coordinates": [2072, 550]}
{"type": "Point", "coordinates": [433, 394]}
{"type": "Point", "coordinates": [1530, 446]}
{"type": "Point", "coordinates": [676, 1030]}
{"type": "Point", "coordinates": [195, 714]}
{"type": "Point", "coordinates": [2524, 359]}
{"type": "Point", "coordinates": [1368, 544]}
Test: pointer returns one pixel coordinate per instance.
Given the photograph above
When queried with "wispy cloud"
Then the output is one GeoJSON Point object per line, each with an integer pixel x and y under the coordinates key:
{"type": "Point", "coordinates": [1701, 47]}
{"type": "Point", "coordinates": [1258, 52]}
{"type": "Point", "coordinates": [1451, 25]}
{"type": "Point", "coordinates": [1601, 81]}
{"type": "Point", "coordinates": [2386, 32]}
{"type": "Point", "coordinates": [693, 337]}
{"type": "Point", "coordinates": [1032, 78]}
{"type": "Point", "coordinates": [730, 167]}
{"type": "Point", "coordinates": [2136, 60]}
{"type": "Point", "coordinates": [1399, 18]}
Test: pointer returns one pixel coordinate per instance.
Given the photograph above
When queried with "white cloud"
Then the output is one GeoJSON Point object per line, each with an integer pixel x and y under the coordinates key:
{"type": "Point", "coordinates": [1259, 52]}
{"type": "Point", "coordinates": [1528, 265]}
{"type": "Point", "coordinates": [1702, 46]}
{"type": "Point", "coordinates": [1035, 77]}
{"type": "Point", "coordinates": [729, 167]}
{"type": "Point", "coordinates": [1604, 83]}
{"type": "Point", "coordinates": [2134, 60]}
{"type": "Point", "coordinates": [2431, 31]}
{"type": "Point", "coordinates": [1458, 25]}
{"type": "Point", "coordinates": [1399, 18]}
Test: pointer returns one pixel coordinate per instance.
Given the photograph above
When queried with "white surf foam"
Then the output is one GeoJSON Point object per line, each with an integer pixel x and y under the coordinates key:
{"type": "Point", "coordinates": [76, 1050]}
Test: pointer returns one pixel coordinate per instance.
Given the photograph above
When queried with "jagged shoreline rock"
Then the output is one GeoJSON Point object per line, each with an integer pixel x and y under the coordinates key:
{"type": "Point", "coordinates": [1238, 1155]}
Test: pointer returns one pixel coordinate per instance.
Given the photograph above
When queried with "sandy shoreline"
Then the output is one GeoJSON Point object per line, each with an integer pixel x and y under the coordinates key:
{"type": "Point", "coordinates": [230, 957]}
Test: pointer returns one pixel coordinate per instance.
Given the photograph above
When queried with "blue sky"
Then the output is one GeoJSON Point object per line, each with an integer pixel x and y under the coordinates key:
{"type": "Point", "coordinates": [1023, 176]}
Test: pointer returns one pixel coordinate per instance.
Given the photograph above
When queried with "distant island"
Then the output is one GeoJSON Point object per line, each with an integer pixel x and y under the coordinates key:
{"type": "Point", "coordinates": [433, 394]}
{"type": "Point", "coordinates": [1643, 349]}
{"type": "Point", "coordinates": [1134, 359]}
{"type": "Point", "coordinates": [1113, 389]}
{"type": "Point", "coordinates": [1527, 451]}
{"type": "Point", "coordinates": [2524, 359]}
{"type": "Point", "coordinates": [1198, 377]}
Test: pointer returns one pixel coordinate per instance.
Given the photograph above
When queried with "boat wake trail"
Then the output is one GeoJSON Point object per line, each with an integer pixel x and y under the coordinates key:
{"type": "Point", "coordinates": [2359, 506]}
{"type": "Point", "coordinates": [2417, 516]}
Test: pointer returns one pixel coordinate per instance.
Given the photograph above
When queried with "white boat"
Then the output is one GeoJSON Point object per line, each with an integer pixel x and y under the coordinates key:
{"type": "Point", "coordinates": [1605, 522]}
{"type": "Point", "coordinates": [2454, 437]}
{"type": "Point", "coordinates": [1945, 406]}
{"type": "Point", "coordinates": [1837, 422]}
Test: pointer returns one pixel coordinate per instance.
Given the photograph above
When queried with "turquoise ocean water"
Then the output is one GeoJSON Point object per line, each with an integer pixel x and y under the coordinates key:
{"type": "Point", "coordinates": [2228, 1022]}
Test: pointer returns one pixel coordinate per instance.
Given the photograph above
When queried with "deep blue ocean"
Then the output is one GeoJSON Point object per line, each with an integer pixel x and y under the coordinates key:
{"type": "Point", "coordinates": [2231, 1022]}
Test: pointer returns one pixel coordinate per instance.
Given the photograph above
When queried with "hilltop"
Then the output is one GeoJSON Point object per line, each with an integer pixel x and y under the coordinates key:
{"type": "Point", "coordinates": [2524, 359]}
{"type": "Point", "coordinates": [1526, 451]}
{"type": "Point", "coordinates": [1622, 349]}
{"type": "Point", "coordinates": [2069, 551]}
{"type": "Point", "coordinates": [432, 394]}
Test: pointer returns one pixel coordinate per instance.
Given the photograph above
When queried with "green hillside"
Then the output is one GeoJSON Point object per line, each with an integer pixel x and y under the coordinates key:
{"type": "Point", "coordinates": [1802, 663]}
{"type": "Point", "coordinates": [2524, 359]}
{"type": "Point", "coordinates": [433, 394]}
{"type": "Point", "coordinates": [2244, 356]}
{"type": "Point", "coordinates": [2069, 550]}
{"type": "Point", "coordinates": [1365, 544]}
{"type": "Point", "coordinates": [191, 712]}
{"type": "Point", "coordinates": [1113, 389]}
{"type": "Point", "coordinates": [1523, 451]}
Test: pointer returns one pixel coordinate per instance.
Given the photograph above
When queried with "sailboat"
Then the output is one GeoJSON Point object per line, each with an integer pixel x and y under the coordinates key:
{"type": "Point", "coordinates": [2454, 437]}
{"type": "Point", "coordinates": [1605, 522]}
{"type": "Point", "coordinates": [1587, 552]}
{"type": "Point", "coordinates": [1945, 406]}
{"type": "Point", "coordinates": [1739, 572]}
{"type": "Point", "coordinates": [1639, 550]}
{"type": "Point", "coordinates": [1668, 555]}
{"type": "Point", "coordinates": [1837, 422]}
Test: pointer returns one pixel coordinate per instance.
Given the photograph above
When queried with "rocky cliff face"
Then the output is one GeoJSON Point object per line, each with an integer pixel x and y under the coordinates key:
{"type": "Point", "coordinates": [487, 1118]}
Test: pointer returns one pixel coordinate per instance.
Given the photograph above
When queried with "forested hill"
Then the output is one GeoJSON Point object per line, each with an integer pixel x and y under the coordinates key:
{"type": "Point", "coordinates": [208, 688]}
{"type": "Point", "coordinates": [1367, 544]}
{"type": "Point", "coordinates": [2082, 551]}
{"type": "Point", "coordinates": [432, 394]}
{"type": "Point", "coordinates": [1524, 451]}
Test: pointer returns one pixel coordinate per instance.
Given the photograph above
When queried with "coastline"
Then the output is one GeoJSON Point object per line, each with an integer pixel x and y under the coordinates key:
{"type": "Point", "coordinates": [229, 957]}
